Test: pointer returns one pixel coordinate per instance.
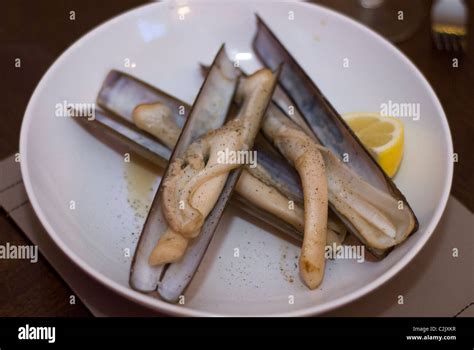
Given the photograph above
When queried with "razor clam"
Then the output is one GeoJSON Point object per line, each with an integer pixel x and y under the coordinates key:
{"type": "Point", "coordinates": [254, 94]}
{"type": "Point", "coordinates": [136, 140]}
{"type": "Point", "coordinates": [208, 113]}
{"type": "Point", "coordinates": [272, 168]}
{"type": "Point", "coordinates": [382, 199]}
{"type": "Point", "coordinates": [121, 93]}
{"type": "Point", "coordinates": [195, 179]}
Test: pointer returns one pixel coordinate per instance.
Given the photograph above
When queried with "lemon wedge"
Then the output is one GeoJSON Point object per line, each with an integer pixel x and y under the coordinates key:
{"type": "Point", "coordinates": [383, 136]}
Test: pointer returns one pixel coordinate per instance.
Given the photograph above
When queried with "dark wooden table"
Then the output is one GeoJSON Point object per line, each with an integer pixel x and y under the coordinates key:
{"type": "Point", "coordinates": [39, 30]}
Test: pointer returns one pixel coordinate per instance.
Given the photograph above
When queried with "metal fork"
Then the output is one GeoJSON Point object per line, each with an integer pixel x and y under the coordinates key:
{"type": "Point", "coordinates": [449, 25]}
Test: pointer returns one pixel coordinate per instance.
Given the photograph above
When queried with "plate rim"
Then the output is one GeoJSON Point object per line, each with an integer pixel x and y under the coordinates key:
{"type": "Point", "coordinates": [172, 309]}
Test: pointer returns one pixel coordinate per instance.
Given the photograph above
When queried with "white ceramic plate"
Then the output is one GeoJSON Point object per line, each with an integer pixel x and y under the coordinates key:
{"type": "Point", "coordinates": [63, 163]}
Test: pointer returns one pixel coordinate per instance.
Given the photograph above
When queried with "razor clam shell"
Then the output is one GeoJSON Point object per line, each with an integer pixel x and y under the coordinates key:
{"type": "Point", "coordinates": [283, 175]}
{"type": "Point", "coordinates": [125, 134]}
{"type": "Point", "coordinates": [178, 275]}
{"type": "Point", "coordinates": [121, 93]}
{"type": "Point", "coordinates": [323, 120]}
{"type": "Point", "coordinates": [216, 92]}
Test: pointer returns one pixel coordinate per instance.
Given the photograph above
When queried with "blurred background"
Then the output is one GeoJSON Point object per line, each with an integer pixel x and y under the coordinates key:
{"type": "Point", "coordinates": [38, 31]}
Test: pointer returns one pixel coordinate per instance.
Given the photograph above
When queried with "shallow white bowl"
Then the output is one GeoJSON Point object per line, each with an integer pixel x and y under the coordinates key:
{"type": "Point", "coordinates": [62, 163]}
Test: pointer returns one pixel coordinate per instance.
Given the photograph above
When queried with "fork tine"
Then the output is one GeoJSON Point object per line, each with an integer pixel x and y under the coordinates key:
{"type": "Point", "coordinates": [462, 42]}
{"type": "Point", "coordinates": [437, 40]}
{"type": "Point", "coordinates": [454, 41]}
{"type": "Point", "coordinates": [446, 42]}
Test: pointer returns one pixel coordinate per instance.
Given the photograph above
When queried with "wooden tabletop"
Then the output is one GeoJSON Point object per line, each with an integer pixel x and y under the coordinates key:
{"type": "Point", "coordinates": [39, 31]}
